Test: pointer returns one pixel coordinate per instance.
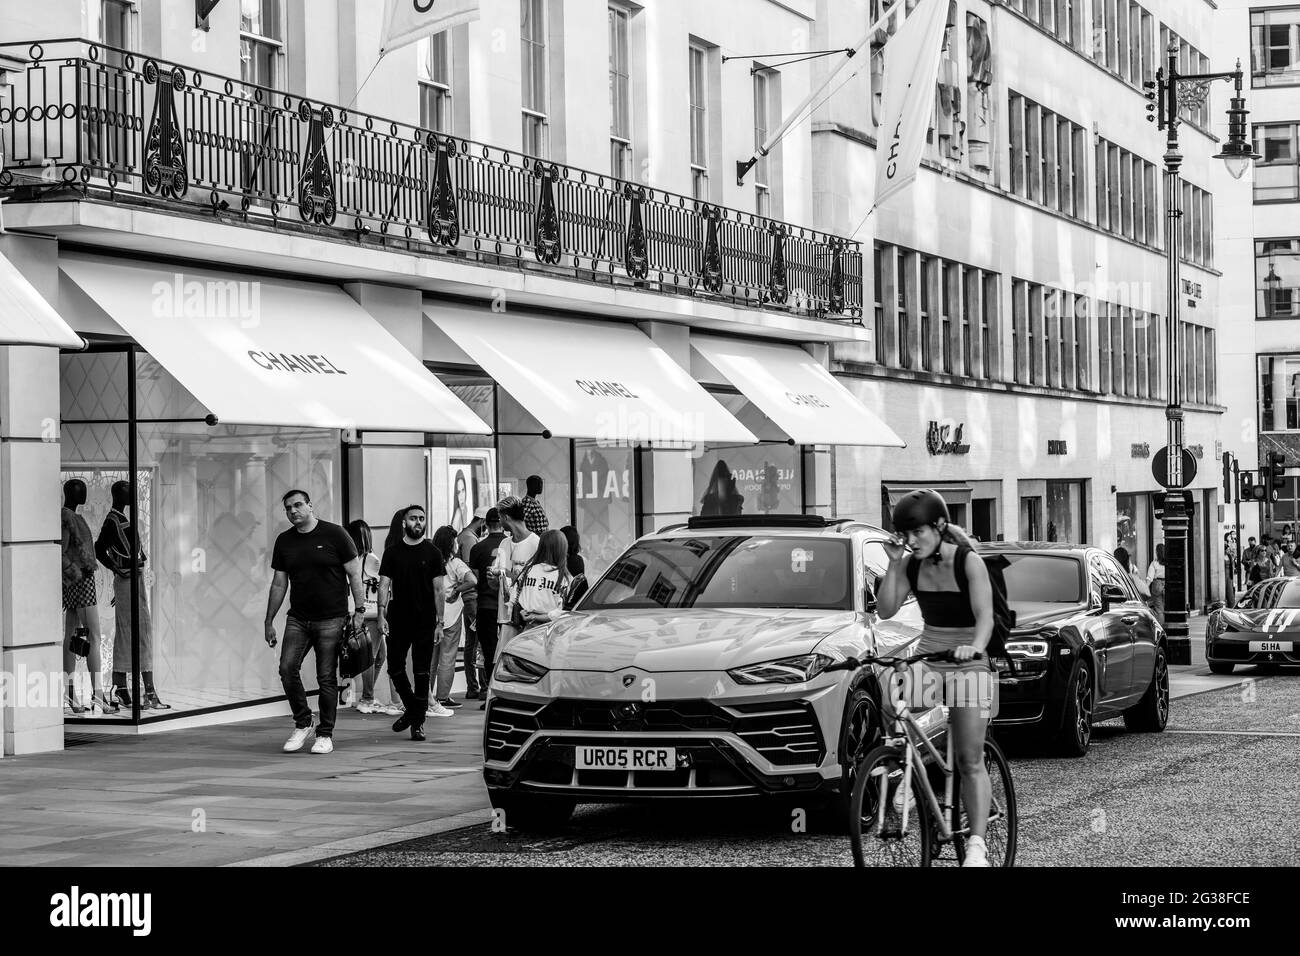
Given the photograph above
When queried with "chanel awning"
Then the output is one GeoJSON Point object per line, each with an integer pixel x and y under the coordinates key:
{"type": "Point", "coordinates": [790, 387]}
{"type": "Point", "coordinates": [590, 379]}
{"type": "Point", "coordinates": [26, 318]}
{"type": "Point", "coordinates": [272, 352]}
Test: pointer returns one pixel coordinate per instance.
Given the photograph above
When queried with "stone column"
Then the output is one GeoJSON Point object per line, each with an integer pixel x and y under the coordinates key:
{"type": "Point", "coordinates": [31, 615]}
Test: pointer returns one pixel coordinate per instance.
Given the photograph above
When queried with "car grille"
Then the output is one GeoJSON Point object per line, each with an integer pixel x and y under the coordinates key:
{"type": "Point", "coordinates": [784, 732]}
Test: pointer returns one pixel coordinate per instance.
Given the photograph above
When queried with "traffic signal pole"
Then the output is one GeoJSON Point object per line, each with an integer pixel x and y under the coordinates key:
{"type": "Point", "coordinates": [1236, 484]}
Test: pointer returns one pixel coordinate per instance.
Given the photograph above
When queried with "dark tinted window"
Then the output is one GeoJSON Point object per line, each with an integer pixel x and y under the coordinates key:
{"type": "Point", "coordinates": [728, 571]}
{"type": "Point", "coordinates": [1282, 594]}
{"type": "Point", "coordinates": [1042, 578]}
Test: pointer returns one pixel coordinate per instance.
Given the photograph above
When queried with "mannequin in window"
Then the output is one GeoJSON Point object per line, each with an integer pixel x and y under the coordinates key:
{"type": "Point", "coordinates": [113, 548]}
{"type": "Point", "coordinates": [721, 496]}
{"type": "Point", "coordinates": [80, 614]}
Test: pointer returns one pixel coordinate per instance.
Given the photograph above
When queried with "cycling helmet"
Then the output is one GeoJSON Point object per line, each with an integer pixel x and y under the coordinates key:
{"type": "Point", "coordinates": [918, 508]}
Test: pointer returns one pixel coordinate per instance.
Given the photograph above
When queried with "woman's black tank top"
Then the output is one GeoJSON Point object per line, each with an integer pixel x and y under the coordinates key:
{"type": "Point", "coordinates": [944, 608]}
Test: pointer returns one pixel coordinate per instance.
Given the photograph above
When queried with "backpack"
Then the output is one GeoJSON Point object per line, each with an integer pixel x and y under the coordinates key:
{"type": "Point", "coordinates": [1004, 619]}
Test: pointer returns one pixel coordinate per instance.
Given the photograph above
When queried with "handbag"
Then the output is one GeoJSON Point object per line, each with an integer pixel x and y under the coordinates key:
{"type": "Point", "coordinates": [356, 653]}
{"type": "Point", "coordinates": [79, 643]}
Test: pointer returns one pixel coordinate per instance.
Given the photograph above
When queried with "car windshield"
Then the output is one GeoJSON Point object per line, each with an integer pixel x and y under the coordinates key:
{"type": "Point", "coordinates": [744, 570]}
{"type": "Point", "coordinates": [1041, 579]}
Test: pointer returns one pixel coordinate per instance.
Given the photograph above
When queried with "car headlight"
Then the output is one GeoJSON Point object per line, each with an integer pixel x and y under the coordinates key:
{"type": "Point", "coordinates": [515, 670]}
{"type": "Point", "coordinates": [788, 670]}
{"type": "Point", "coordinates": [1028, 648]}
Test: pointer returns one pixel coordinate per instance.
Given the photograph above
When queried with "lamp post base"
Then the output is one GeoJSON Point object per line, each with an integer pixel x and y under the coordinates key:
{"type": "Point", "coordinates": [1180, 649]}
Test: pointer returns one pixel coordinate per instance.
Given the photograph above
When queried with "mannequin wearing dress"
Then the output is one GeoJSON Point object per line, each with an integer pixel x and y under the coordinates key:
{"type": "Point", "coordinates": [80, 612]}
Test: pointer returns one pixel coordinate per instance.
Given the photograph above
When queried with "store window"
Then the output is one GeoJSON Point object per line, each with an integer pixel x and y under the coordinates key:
{"type": "Point", "coordinates": [748, 479]}
{"type": "Point", "coordinates": [209, 512]}
{"type": "Point", "coordinates": [1031, 518]}
{"type": "Point", "coordinates": [1065, 512]}
{"type": "Point", "coordinates": [1277, 279]}
{"type": "Point", "coordinates": [1133, 528]}
{"type": "Point", "coordinates": [604, 500]}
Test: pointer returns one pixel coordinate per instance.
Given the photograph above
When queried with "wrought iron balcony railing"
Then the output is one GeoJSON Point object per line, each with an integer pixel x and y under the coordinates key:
{"type": "Point", "coordinates": [109, 123]}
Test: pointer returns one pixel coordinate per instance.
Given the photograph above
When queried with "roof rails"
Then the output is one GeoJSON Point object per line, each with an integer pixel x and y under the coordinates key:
{"type": "Point", "coordinates": [759, 521]}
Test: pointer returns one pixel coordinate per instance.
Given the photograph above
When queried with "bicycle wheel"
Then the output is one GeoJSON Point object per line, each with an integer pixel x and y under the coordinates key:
{"type": "Point", "coordinates": [1001, 829]}
{"type": "Point", "coordinates": [877, 783]}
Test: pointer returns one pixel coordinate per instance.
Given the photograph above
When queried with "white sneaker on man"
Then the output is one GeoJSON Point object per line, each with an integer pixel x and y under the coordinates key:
{"type": "Point", "coordinates": [977, 853]}
{"type": "Point", "coordinates": [323, 745]}
{"type": "Point", "coordinates": [437, 710]}
{"type": "Point", "coordinates": [297, 739]}
{"type": "Point", "coordinates": [369, 707]}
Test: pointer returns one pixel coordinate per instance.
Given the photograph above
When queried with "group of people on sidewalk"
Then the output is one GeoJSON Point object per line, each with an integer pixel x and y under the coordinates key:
{"type": "Point", "coordinates": [1150, 586]}
{"type": "Point", "coordinates": [504, 572]}
{"type": "Point", "coordinates": [1273, 556]}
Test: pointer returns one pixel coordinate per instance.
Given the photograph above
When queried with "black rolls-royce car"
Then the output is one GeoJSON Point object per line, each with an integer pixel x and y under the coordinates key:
{"type": "Point", "coordinates": [1263, 629]}
{"type": "Point", "coordinates": [1084, 648]}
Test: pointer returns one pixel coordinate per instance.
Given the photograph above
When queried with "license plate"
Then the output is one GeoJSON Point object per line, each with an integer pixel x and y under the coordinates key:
{"type": "Point", "coordinates": [1284, 646]}
{"type": "Point", "coordinates": [626, 758]}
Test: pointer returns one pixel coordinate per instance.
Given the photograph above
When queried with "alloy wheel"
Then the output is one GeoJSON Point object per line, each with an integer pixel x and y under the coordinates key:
{"type": "Point", "coordinates": [1162, 689]}
{"type": "Point", "coordinates": [1083, 708]}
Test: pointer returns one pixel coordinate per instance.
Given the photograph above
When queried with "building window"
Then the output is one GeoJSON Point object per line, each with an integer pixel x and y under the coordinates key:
{"type": "Point", "coordinates": [927, 272]}
{"type": "Point", "coordinates": [261, 43]}
{"type": "Point", "coordinates": [699, 120]}
{"type": "Point", "coordinates": [963, 277]}
{"type": "Point", "coordinates": [1275, 47]}
{"type": "Point", "coordinates": [904, 324]}
{"type": "Point", "coordinates": [434, 74]}
{"type": "Point", "coordinates": [532, 43]}
{"type": "Point", "coordinates": [1081, 343]}
{"type": "Point", "coordinates": [1277, 173]}
{"type": "Point", "coordinates": [1104, 379]}
{"type": "Point", "coordinates": [988, 317]}
{"type": "Point", "coordinates": [762, 128]}
{"type": "Point", "coordinates": [620, 95]}
{"type": "Point", "coordinates": [1046, 156]}
{"type": "Point", "coordinates": [1277, 279]}
{"type": "Point", "coordinates": [879, 254]}
{"type": "Point", "coordinates": [113, 24]}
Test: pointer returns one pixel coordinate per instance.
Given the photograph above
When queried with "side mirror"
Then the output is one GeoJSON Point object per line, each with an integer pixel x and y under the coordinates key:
{"type": "Point", "coordinates": [1112, 594]}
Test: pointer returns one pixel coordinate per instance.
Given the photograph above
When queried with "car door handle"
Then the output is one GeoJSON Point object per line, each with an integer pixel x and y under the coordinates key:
{"type": "Point", "coordinates": [1129, 619]}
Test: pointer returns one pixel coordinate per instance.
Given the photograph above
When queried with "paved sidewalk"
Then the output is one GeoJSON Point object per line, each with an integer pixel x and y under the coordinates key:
{"type": "Point", "coordinates": [223, 795]}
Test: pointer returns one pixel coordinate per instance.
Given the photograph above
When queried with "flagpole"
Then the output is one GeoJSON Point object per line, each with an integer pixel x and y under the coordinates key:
{"type": "Point", "coordinates": [742, 168]}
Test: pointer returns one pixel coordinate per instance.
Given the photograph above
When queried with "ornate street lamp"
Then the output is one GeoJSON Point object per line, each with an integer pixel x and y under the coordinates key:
{"type": "Point", "coordinates": [1170, 93]}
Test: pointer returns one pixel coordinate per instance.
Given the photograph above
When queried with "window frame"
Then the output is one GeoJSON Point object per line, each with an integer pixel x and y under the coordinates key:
{"type": "Point", "coordinates": [620, 55]}
{"type": "Point", "coordinates": [275, 45]}
{"type": "Point", "coordinates": [697, 83]}
{"type": "Point", "coordinates": [435, 94]}
{"type": "Point", "coordinates": [534, 53]}
{"type": "Point", "coordinates": [1259, 78]}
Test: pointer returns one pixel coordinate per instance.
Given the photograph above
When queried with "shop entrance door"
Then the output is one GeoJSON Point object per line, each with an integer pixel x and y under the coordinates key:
{"type": "Point", "coordinates": [982, 523]}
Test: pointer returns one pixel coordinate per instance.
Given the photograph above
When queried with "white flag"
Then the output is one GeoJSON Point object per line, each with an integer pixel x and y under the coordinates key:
{"type": "Point", "coordinates": [911, 71]}
{"type": "Point", "coordinates": [406, 21]}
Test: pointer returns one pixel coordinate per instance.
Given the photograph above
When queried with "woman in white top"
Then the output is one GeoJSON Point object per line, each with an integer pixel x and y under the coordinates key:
{"type": "Point", "coordinates": [363, 538]}
{"type": "Point", "coordinates": [459, 580]}
{"type": "Point", "coordinates": [1156, 582]}
{"type": "Point", "coordinates": [545, 580]}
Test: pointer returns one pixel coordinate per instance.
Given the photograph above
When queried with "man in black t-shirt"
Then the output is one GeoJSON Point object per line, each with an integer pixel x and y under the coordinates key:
{"type": "Point", "coordinates": [410, 615]}
{"type": "Point", "coordinates": [481, 557]}
{"type": "Point", "coordinates": [315, 562]}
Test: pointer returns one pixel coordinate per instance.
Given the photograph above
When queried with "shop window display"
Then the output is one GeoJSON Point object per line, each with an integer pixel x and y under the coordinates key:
{"type": "Point", "coordinates": [604, 503]}
{"type": "Point", "coordinates": [1065, 512]}
{"type": "Point", "coordinates": [208, 502]}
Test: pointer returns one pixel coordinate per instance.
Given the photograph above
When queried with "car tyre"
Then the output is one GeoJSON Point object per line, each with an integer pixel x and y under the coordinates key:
{"type": "Point", "coordinates": [531, 812]}
{"type": "Point", "coordinates": [1151, 713]}
{"type": "Point", "coordinates": [1075, 735]}
{"type": "Point", "coordinates": [860, 732]}
{"type": "Point", "coordinates": [1221, 667]}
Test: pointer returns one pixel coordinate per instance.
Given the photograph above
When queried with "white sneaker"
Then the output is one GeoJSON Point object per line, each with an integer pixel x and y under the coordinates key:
{"type": "Point", "coordinates": [902, 797]}
{"type": "Point", "coordinates": [297, 739]}
{"type": "Point", "coordinates": [323, 745]}
{"type": "Point", "coordinates": [977, 853]}
{"type": "Point", "coordinates": [392, 710]}
{"type": "Point", "coordinates": [437, 710]}
{"type": "Point", "coordinates": [369, 707]}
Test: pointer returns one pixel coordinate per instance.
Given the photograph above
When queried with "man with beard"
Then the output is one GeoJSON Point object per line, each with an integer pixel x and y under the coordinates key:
{"type": "Point", "coordinates": [410, 614]}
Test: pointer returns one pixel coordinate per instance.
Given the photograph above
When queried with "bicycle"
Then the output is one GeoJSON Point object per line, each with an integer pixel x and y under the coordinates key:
{"type": "Point", "coordinates": [893, 784]}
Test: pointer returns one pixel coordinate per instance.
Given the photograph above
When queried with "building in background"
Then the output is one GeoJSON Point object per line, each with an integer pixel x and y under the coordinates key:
{"type": "Point", "coordinates": [1260, 241]}
{"type": "Point", "coordinates": [1018, 288]}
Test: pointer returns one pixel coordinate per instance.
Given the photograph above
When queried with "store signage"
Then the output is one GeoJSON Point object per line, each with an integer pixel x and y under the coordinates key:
{"type": "Point", "coordinates": [937, 441]}
{"type": "Point", "coordinates": [807, 399]}
{"type": "Point", "coordinates": [1197, 450]}
{"type": "Point", "coordinates": [311, 364]}
{"type": "Point", "coordinates": [1140, 450]}
{"type": "Point", "coordinates": [610, 389]}
{"type": "Point", "coordinates": [1057, 446]}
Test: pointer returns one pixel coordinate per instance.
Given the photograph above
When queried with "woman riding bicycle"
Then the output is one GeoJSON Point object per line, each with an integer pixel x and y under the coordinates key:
{"type": "Point", "coordinates": [956, 602]}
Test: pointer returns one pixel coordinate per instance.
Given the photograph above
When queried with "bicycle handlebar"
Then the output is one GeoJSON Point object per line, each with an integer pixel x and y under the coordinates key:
{"type": "Point", "coordinates": [853, 663]}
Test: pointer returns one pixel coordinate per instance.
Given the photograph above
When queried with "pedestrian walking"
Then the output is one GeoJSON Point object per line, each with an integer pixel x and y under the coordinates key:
{"type": "Point", "coordinates": [544, 582]}
{"type": "Point", "coordinates": [459, 581]}
{"type": "Point", "coordinates": [316, 563]}
{"type": "Point", "coordinates": [482, 558]}
{"type": "Point", "coordinates": [363, 538]}
{"type": "Point", "coordinates": [1261, 570]}
{"type": "Point", "coordinates": [1156, 582]}
{"type": "Point", "coordinates": [465, 542]}
{"type": "Point", "coordinates": [411, 578]}
{"type": "Point", "coordinates": [1139, 582]}
{"type": "Point", "coordinates": [1290, 568]}
{"type": "Point", "coordinates": [515, 551]}
{"type": "Point", "coordinates": [577, 567]}
{"type": "Point", "coordinates": [534, 513]}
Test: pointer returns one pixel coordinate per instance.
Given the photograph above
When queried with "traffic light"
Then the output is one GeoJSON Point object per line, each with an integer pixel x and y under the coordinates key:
{"type": "Point", "coordinates": [1246, 486]}
{"type": "Point", "coordinates": [1275, 473]}
{"type": "Point", "coordinates": [1150, 87]}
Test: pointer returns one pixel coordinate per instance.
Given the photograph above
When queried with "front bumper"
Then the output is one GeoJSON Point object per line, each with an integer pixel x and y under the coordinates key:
{"type": "Point", "coordinates": [1034, 698]}
{"type": "Point", "coordinates": [1233, 647]}
{"type": "Point", "coordinates": [729, 741]}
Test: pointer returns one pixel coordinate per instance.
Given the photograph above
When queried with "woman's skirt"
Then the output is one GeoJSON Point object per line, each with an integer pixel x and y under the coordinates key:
{"type": "Point", "coordinates": [81, 594]}
{"type": "Point", "coordinates": [972, 683]}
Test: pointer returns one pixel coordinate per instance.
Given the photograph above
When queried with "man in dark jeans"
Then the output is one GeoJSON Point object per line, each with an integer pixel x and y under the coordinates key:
{"type": "Point", "coordinates": [411, 579]}
{"type": "Point", "coordinates": [481, 557]}
{"type": "Point", "coordinates": [315, 562]}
